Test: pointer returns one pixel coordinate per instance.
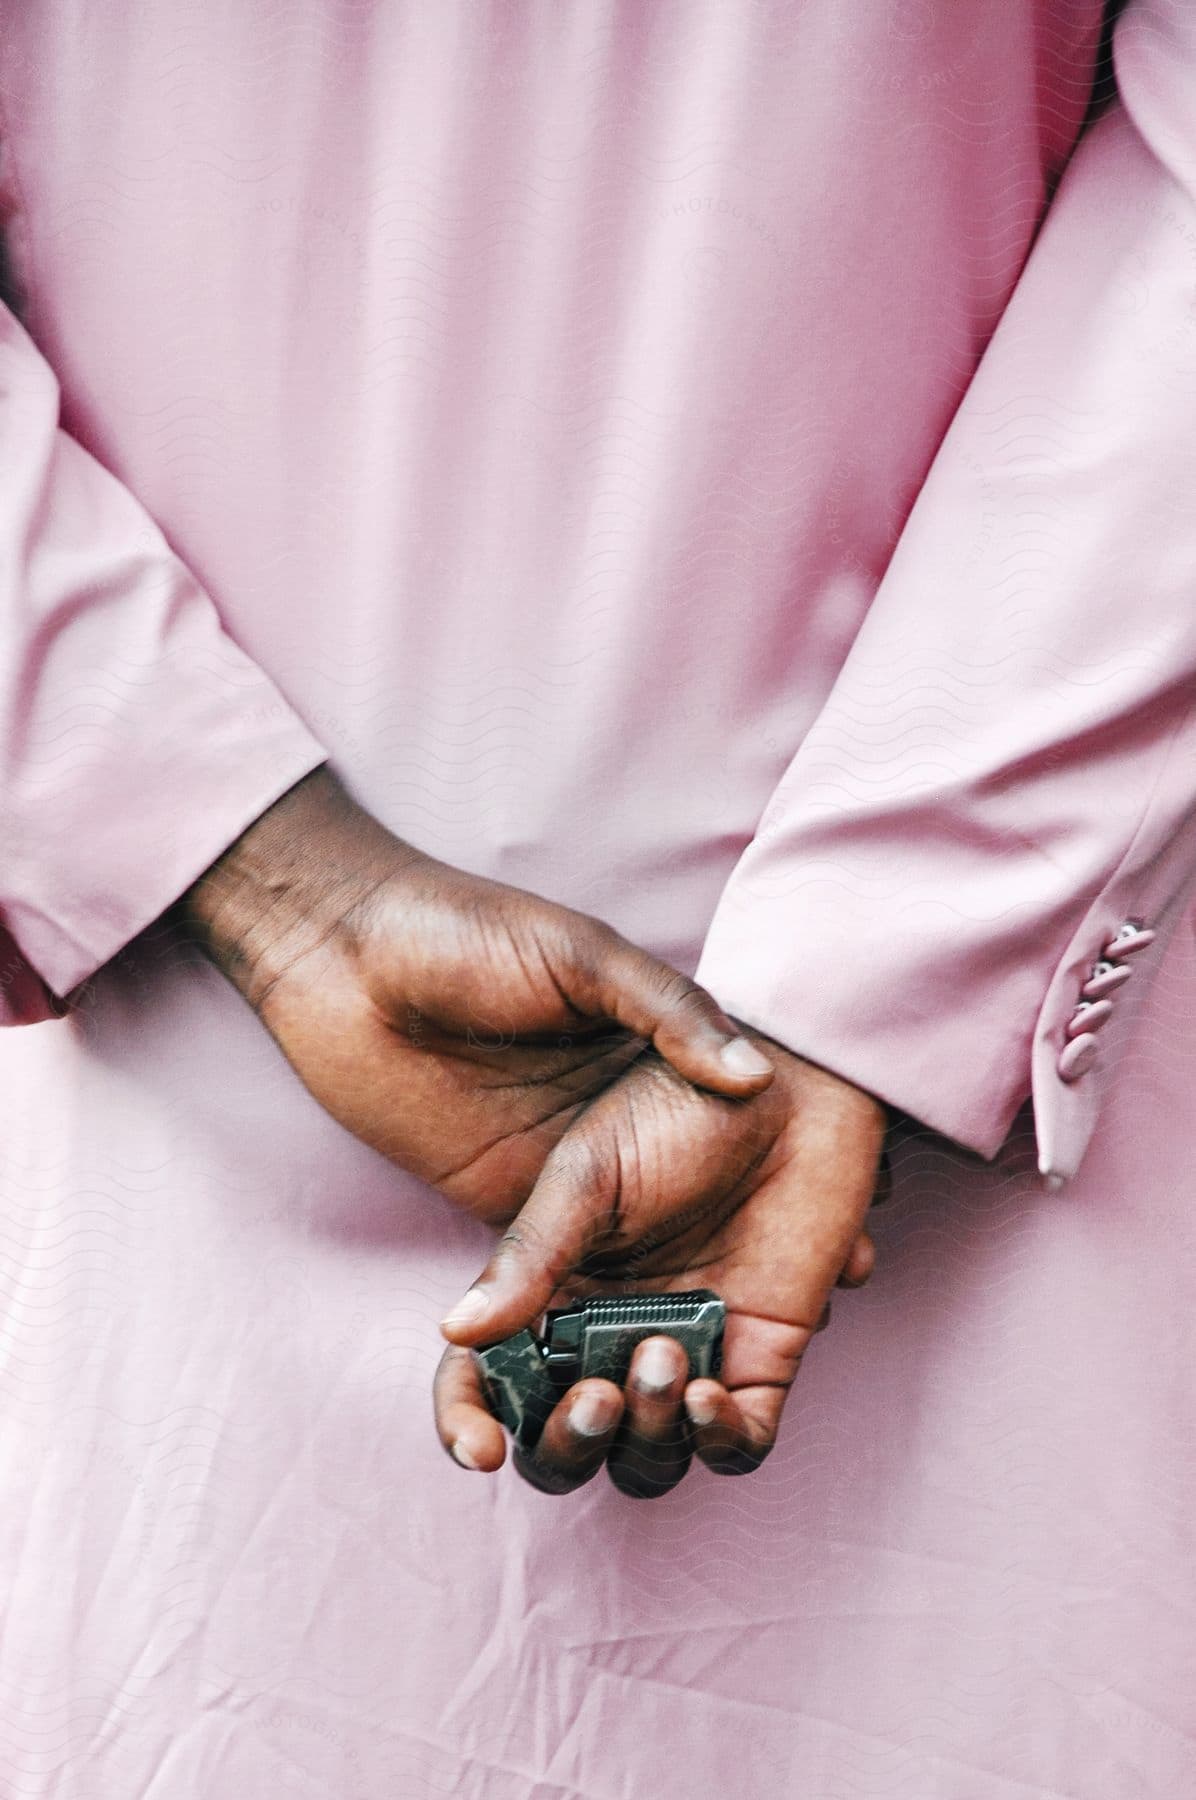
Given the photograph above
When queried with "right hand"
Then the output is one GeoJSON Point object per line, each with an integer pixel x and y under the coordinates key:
{"type": "Point", "coordinates": [455, 1024]}
{"type": "Point", "coordinates": [661, 1188]}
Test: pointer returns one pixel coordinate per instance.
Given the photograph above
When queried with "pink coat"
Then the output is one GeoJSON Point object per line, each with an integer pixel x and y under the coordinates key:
{"type": "Point", "coordinates": [640, 447]}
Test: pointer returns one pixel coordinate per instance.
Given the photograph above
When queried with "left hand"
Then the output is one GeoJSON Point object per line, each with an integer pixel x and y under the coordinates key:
{"type": "Point", "coordinates": [659, 1186]}
{"type": "Point", "coordinates": [455, 1024]}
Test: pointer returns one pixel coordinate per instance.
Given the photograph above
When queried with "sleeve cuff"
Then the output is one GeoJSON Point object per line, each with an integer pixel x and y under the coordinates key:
{"type": "Point", "coordinates": [207, 786]}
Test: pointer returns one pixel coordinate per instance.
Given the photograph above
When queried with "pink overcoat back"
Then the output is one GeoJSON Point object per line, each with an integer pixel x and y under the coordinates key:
{"type": "Point", "coordinates": [728, 467]}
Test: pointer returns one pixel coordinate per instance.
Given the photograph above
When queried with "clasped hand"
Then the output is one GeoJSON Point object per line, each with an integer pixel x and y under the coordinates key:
{"type": "Point", "coordinates": [553, 1079]}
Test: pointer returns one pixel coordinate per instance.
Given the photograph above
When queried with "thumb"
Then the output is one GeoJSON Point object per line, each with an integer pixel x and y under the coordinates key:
{"type": "Point", "coordinates": [683, 1022]}
{"type": "Point", "coordinates": [557, 1226]}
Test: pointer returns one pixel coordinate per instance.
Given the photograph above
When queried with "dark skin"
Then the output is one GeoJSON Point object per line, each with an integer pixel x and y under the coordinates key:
{"type": "Point", "coordinates": [455, 1024]}
{"type": "Point", "coordinates": [661, 1187]}
{"type": "Point", "coordinates": [551, 1078]}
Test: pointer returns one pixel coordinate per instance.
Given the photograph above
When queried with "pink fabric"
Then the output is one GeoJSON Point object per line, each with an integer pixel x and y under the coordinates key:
{"type": "Point", "coordinates": [534, 399]}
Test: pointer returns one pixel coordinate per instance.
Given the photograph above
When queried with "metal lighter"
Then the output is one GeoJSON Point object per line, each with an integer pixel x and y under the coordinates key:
{"type": "Point", "coordinates": [524, 1376]}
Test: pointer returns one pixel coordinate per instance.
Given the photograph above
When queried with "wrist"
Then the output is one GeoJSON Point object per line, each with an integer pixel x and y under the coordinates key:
{"type": "Point", "coordinates": [837, 1090]}
{"type": "Point", "coordinates": [288, 884]}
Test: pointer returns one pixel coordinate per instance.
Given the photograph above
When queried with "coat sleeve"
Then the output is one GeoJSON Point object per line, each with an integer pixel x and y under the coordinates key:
{"type": "Point", "coordinates": [136, 739]}
{"type": "Point", "coordinates": [1000, 794]}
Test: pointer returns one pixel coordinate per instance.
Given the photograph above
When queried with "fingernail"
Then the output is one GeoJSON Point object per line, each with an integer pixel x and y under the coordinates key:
{"type": "Point", "coordinates": [461, 1455]}
{"type": "Point", "coordinates": [702, 1412]}
{"type": "Point", "coordinates": [654, 1368]}
{"type": "Point", "coordinates": [469, 1308]}
{"type": "Point", "coordinates": [592, 1414]}
{"type": "Point", "coordinates": [741, 1058]}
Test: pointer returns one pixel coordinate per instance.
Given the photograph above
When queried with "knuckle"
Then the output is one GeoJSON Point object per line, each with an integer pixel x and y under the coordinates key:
{"type": "Point", "coordinates": [549, 1478]}
{"type": "Point", "coordinates": [680, 997]}
{"type": "Point", "coordinates": [647, 1471]}
{"type": "Point", "coordinates": [740, 1459]}
{"type": "Point", "coordinates": [447, 1376]}
{"type": "Point", "coordinates": [590, 947]}
{"type": "Point", "coordinates": [522, 1238]}
{"type": "Point", "coordinates": [604, 941]}
{"type": "Point", "coordinates": [527, 1248]}
{"type": "Point", "coordinates": [638, 1489]}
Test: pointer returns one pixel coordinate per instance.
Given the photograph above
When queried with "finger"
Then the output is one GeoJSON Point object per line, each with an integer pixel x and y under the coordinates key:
{"type": "Point", "coordinates": [652, 1449]}
{"type": "Point", "coordinates": [545, 1242]}
{"type": "Point", "coordinates": [732, 1434]}
{"type": "Point", "coordinates": [686, 1026]}
{"type": "Point", "coordinates": [860, 1263]}
{"type": "Point", "coordinates": [574, 1443]}
{"type": "Point", "coordinates": [467, 1428]}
